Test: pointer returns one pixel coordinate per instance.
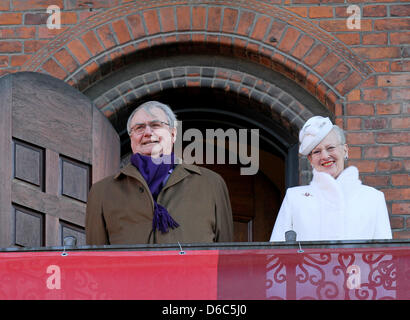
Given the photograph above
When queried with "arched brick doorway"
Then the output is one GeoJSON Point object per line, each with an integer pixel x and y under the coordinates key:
{"type": "Point", "coordinates": [214, 91]}
{"type": "Point", "coordinates": [247, 60]}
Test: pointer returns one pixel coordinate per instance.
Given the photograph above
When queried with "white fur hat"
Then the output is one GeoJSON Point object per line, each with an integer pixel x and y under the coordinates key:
{"type": "Point", "coordinates": [312, 132]}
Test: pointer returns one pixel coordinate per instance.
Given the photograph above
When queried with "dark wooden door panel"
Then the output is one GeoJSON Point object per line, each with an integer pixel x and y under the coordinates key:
{"type": "Point", "coordinates": [28, 227]}
{"type": "Point", "coordinates": [28, 163]}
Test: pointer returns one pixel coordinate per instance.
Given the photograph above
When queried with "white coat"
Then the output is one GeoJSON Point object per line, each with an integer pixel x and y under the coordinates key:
{"type": "Point", "coordinates": [333, 209]}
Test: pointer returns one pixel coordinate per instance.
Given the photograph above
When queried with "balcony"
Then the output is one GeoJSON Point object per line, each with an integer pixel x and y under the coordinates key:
{"type": "Point", "coordinates": [324, 270]}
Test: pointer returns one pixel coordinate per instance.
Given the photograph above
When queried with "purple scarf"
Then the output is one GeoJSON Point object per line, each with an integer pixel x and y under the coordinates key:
{"type": "Point", "coordinates": [154, 174]}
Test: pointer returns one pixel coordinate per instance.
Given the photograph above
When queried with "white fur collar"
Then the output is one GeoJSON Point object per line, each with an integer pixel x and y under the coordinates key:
{"type": "Point", "coordinates": [347, 180]}
{"type": "Point", "coordinates": [348, 175]}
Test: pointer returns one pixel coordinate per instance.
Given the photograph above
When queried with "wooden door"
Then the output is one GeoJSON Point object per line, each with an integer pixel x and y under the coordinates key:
{"type": "Point", "coordinates": [53, 145]}
{"type": "Point", "coordinates": [255, 201]}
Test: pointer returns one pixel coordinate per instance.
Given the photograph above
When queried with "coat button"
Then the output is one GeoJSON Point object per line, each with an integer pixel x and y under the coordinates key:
{"type": "Point", "coordinates": [141, 189]}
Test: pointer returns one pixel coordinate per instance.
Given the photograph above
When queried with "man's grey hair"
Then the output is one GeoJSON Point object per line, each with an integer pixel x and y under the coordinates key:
{"type": "Point", "coordinates": [340, 133]}
{"type": "Point", "coordinates": [148, 106]}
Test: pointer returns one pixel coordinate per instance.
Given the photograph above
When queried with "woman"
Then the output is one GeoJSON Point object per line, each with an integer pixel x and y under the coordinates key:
{"type": "Point", "coordinates": [335, 205]}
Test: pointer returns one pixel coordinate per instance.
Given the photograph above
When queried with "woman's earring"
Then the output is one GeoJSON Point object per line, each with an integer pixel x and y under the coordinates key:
{"type": "Point", "coordinates": [346, 157]}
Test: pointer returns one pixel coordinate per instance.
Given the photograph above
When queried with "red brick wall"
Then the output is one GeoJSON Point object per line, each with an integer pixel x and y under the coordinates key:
{"type": "Point", "coordinates": [361, 76]}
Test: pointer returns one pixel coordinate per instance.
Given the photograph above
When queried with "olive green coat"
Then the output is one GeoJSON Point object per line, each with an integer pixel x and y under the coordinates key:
{"type": "Point", "coordinates": [120, 208]}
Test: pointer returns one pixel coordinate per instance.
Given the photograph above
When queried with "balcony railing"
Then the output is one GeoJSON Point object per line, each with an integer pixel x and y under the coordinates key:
{"type": "Point", "coordinates": [342, 270]}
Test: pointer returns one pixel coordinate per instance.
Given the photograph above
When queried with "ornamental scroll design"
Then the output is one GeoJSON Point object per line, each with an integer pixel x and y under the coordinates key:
{"type": "Point", "coordinates": [327, 276]}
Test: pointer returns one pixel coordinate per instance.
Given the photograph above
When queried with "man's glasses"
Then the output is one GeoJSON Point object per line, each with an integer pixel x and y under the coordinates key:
{"type": "Point", "coordinates": [139, 128]}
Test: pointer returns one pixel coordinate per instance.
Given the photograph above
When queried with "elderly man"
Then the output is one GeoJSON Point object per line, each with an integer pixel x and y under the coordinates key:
{"type": "Point", "coordinates": [335, 205]}
{"type": "Point", "coordinates": [155, 198]}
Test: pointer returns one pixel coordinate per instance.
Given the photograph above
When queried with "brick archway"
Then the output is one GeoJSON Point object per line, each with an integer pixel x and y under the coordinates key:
{"type": "Point", "coordinates": [263, 33]}
{"type": "Point", "coordinates": [123, 91]}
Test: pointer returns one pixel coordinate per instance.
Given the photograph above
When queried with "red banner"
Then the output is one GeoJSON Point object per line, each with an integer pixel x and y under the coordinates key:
{"type": "Point", "coordinates": [109, 275]}
{"type": "Point", "coordinates": [341, 273]}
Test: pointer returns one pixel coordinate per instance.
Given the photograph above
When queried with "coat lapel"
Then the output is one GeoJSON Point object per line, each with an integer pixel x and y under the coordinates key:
{"type": "Point", "coordinates": [180, 172]}
{"type": "Point", "coordinates": [130, 171]}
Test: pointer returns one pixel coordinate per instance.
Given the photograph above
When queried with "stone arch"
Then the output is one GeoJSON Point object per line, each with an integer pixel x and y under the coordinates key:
{"type": "Point", "coordinates": [111, 96]}
{"type": "Point", "coordinates": [256, 31]}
